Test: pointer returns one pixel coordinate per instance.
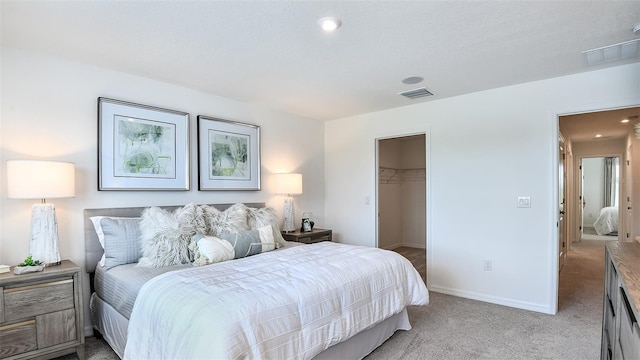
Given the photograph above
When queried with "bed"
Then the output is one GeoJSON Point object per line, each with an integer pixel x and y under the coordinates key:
{"type": "Point", "coordinates": [299, 301]}
{"type": "Point", "coordinates": [607, 221]}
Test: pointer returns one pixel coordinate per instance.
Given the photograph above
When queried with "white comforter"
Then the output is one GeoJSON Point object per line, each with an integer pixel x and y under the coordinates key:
{"type": "Point", "coordinates": [285, 304]}
{"type": "Point", "coordinates": [607, 221]}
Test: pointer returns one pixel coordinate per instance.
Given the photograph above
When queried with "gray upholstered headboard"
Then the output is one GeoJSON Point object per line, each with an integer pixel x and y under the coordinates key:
{"type": "Point", "coordinates": [92, 249]}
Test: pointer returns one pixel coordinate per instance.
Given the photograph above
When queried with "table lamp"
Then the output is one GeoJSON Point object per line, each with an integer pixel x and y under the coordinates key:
{"type": "Point", "coordinates": [32, 179]}
{"type": "Point", "coordinates": [288, 184]}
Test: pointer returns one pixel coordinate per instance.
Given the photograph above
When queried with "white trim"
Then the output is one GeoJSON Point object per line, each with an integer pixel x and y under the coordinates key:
{"type": "Point", "coordinates": [494, 299]}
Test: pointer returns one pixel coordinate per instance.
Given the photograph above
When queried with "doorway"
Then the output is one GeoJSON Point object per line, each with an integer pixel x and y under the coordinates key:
{"type": "Point", "coordinates": [606, 134]}
{"type": "Point", "coordinates": [600, 194]}
{"type": "Point", "coordinates": [401, 166]}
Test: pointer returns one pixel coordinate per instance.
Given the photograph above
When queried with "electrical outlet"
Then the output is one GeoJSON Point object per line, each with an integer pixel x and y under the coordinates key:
{"type": "Point", "coordinates": [488, 265]}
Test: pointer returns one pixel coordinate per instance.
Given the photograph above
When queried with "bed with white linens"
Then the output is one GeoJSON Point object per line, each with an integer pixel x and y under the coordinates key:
{"type": "Point", "coordinates": [323, 301]}
{"type": "Point", "coordinates": [607, 221]}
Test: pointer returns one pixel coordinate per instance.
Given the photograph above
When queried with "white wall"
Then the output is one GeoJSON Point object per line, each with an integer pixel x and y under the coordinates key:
{"type": "Point", "coordinates": [49, 111]}
{"type": "Point", "coordinates": [484, 150]}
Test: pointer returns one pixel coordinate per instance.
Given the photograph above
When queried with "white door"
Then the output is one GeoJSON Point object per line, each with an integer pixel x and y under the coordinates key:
{"type": "Point", "coordinates": [562, 238]}
{"type": "Point", "coordinates": [628, 209]}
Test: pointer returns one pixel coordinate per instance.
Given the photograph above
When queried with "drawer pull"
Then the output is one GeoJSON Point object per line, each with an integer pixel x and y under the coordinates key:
{"type": "Point", "coordinates": [632, 318]}
{"type": "Point", "coordinates": [16, 325]}
{"type": "Point", "coordinates": [7, 291]}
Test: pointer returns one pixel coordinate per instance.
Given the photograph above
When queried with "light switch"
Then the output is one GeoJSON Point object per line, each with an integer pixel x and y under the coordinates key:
{"type": "Point", "coordinates": [524, 201]}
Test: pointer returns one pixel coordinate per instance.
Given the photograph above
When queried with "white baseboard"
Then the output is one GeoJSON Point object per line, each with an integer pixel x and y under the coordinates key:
{"type": "Point", "coordinates": [493, 299]}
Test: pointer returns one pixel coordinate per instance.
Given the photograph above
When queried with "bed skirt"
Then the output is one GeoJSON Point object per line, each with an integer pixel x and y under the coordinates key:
{"type": "Point", "coordinates": [113, 327]}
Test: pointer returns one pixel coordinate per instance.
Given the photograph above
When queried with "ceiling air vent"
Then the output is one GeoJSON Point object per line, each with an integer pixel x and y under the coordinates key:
{"type": "Point", "coordinates": [416, 93]}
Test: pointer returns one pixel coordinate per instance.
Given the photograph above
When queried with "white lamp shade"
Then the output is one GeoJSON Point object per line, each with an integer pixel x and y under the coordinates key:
{"type": "Point", "coordinates": [33, 179]}
{"type": "Point", "coordinates": [289, 184]}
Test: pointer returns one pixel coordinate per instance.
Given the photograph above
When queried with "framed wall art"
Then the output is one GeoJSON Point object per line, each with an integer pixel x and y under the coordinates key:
{"type": "Point", "coordinates": [142, 147]}
{"type": "Point", "coordinates": [228, 155]}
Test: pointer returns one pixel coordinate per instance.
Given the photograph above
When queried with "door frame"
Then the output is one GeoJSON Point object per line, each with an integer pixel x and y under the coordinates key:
{"type": "Point", "coordinates": [578, 190]}
{"type": "Point", "coordinates": [554, 273]}
{"type": "Point", "coordinates": [427, 148]}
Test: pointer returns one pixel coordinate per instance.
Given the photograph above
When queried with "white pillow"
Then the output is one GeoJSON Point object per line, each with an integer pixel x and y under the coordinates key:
{"type": "Point", "coordinates": [165, 237]}
{"type": "Point", "coordinates": [119, 238]}
{"type": "Point", "coordinates": [212, 249]}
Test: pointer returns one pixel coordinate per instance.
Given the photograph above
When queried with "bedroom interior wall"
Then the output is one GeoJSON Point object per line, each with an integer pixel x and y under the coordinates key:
{"type": "Point", "coordinates": [485, 149]}
{"type": "Point", "coordinates": [49, 111]}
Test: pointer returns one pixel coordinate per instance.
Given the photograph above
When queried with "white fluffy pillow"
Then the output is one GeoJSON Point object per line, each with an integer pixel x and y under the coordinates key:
{"type": "Point", "coordinates": [165, 236]}
{"type": "Point", "coordinates": [259, 217]}
{"type": "Point", "coordinates": [233, 219]}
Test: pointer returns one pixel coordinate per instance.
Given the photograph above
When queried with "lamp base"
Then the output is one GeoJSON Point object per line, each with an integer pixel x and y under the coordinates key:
{"type": "Point", "coordinates": [288, 214]}
{"type": "Point", "coordinates": [44, 244]}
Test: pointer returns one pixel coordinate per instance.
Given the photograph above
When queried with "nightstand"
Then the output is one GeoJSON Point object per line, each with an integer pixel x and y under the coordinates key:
{"type": "Point", "coordinates": [310, 237]}
{"type": "Point", "coordinates": [41, 313]}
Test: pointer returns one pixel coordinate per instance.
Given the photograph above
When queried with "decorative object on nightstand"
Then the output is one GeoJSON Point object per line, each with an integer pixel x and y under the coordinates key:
{"type": "Point", "coordinates": [28, 266]}
{"type": "Point", "coordinates": [41, 313]}
{"type": "Point", "coordinates": [288, 184]}
{"type": "Point", "coordinates": [32, 179]}
{"type": "Point", "coordinates": [310, 237]}
{"type": "Point", "coordinates": [307, 222]}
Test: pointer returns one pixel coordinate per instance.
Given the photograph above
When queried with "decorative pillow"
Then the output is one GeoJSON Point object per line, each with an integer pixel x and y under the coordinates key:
{"type": "Point", "coordinates": [120, 239]}
{"type": "Point", "coordinates": [212, 249]}
{"type": "Point", "coordinates": [165, 236]}
{"type": "Point", "coordinates": [233, 219]}
{"type": "Point", "coordinates": [259, 217]}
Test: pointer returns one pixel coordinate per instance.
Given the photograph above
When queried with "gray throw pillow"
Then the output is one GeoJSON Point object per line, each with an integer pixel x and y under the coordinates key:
{"type": "Point", "coordinates": [120, 239]}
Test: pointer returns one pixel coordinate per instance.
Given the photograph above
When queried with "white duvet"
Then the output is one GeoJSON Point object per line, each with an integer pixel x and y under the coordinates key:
{"type": "Point", "coordinates": [607, 221]}
{"type": "Point", "coordinates": [285, 304]}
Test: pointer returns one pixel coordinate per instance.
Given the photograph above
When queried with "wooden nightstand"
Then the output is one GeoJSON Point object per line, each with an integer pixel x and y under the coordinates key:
{"type": "Point", "coordinates": [41, 313]}
{"type": "Point", "coordinates": [310, 237]}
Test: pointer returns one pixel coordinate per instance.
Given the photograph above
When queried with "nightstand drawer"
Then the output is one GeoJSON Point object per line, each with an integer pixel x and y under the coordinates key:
{"type": "Point", "coordinates": [56, 327]}
{"type": "Point", "coordinates": [36, 299]}
{"type": "Point", "coordinates": [17, 338]}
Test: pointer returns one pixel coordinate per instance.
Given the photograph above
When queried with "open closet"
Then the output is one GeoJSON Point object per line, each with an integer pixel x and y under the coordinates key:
{"type": "Point", "coordinates": [402, 198]}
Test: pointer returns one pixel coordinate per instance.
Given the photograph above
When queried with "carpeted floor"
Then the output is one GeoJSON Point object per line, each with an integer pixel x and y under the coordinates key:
{"type": "Point", "coordinates": [457, 328]}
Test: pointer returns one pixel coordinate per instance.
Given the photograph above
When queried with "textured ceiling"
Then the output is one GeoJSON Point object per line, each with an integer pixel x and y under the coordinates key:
{"type": "Point", "coordinates": [272, 53]}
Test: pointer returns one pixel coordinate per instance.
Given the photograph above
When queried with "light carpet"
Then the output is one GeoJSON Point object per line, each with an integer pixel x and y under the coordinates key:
{"type": "Point", "coordinates": [457, 328]}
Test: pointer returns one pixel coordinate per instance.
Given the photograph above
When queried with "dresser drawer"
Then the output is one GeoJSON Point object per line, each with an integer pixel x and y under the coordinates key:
{"type": "Point", "coordinates": [629, 333]}
{"type": "Point", "coordinates": [37, 299]}
{"type": "Point", "coordinates": [609, 320]}
{"type": "Point", "coordinates": [17, 338]}
{"type": "Point", "coordinates": [612, 282]}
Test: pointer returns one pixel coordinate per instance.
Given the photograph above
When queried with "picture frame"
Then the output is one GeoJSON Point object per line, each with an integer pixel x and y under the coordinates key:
{"type": "Point", "coordinates": [228, 155]}
{"type": "Point", "coordinates": [142, 147]}
{"type": "Point", "coordinates": [306, 225]}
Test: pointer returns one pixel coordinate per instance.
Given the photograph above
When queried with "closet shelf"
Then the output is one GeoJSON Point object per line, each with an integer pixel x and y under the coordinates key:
{"type": "Point", "coordinates": [388, 175]}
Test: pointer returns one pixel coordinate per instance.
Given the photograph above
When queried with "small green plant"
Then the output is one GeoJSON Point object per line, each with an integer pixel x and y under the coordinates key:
{"type": "Point", "coordinates": [30, 262]}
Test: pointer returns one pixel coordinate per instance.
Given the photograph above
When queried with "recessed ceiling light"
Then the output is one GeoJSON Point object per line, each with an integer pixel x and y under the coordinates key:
{"type": "Point", "coordinates": [624, 121]}
{"type": "Point", "coordinates": [598, 135]}
{"type": "Point", "coordinates": [412, 80]}
{"type": "Point", "coordinates": [329, 23]}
